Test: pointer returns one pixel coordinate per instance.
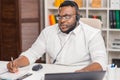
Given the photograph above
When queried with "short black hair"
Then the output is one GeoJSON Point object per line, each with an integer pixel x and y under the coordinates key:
{"type": "Point", "coordinates": [69, 3]}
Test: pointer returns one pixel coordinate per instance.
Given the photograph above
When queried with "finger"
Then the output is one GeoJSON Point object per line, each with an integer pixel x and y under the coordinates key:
{"type": "Point", "coordinates": [12, 67]}
{"type": "Point", "coordinates": [13, 64]}
{"type": "Point", "coordinates": [13, 70]}
{"type": "Point", "coordinates": [15, 67]}
{"type": "Point", "coordinates": [9, 65]}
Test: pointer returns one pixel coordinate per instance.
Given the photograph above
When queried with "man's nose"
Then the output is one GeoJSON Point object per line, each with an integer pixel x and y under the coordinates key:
{"type": "Point", "coordinates": [62, 19]}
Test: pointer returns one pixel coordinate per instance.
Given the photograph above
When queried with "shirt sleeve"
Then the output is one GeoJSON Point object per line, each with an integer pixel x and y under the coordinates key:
{"type": "Point", "coordinates": [36, 50]}
{"type": "Point", "coordinates": [97, 50]}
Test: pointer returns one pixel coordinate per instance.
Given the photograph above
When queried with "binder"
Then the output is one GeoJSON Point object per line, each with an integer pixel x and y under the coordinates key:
{"type": "Point", "coordinates": [52, 19]}
{"type": "Point", "coordinates": [117, 14]}
{"type": "Point", "coordinates": [111, 19]}
{"type": "Point", "coordinates": [114, 19]}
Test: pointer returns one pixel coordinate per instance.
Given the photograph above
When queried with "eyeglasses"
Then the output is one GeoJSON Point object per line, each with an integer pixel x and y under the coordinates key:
{"type": "Point", "coordinates": [66, 17]}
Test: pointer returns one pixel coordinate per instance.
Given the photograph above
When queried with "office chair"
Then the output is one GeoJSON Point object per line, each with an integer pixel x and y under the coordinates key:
{"type": "Point", "coordinates": [92, 22]}
{"type": "Point", "coordinates": [89, 21]}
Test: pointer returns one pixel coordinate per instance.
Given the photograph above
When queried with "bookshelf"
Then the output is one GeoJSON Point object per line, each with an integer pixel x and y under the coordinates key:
{"type": "Point", "coordinates": [109, 34]}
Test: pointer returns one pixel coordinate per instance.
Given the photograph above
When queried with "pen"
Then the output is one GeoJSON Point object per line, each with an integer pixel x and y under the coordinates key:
{"type": "Point", "coordinates": [12, 61]}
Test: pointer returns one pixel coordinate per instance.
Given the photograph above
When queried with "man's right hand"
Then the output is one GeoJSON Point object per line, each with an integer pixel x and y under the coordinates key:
{"type": "Point", "coordinates": [12, 66]}
{"type": "Point", "coordinates": [18, 62]}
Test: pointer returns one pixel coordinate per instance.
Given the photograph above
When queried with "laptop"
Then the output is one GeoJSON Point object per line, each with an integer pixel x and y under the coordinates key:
{"type": "Point", "coordinates": [94, 75]}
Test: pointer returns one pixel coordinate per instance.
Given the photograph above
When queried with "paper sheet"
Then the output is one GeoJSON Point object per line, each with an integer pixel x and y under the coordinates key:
{"type": "Point", "coordinates": [12, 76]}
{"type": "Point", "coordinates": [3, 67]}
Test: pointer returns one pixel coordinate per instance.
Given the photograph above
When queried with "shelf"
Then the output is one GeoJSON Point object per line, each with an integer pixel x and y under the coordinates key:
{"type": "Point", "coordinates": [83, 8]}
{"type": "Point", "coordinates": [52, 8]}
{"type": "Point", "coordinates": [104, 29]}
{"type": "Point", "coordinates": [97, 8]}
{"type": "Point", "coordinates": [114, 29]}
{"type": "Point", "coordinates": [114, 50]}
{"type": "Point", "coordinates": [56, 8]}
{"type": "Point", "coordinates": [114, 9]}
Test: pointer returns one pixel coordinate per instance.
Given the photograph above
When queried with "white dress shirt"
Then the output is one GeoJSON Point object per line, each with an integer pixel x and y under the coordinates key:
{"type": "Point", "coordinates": [81, 47]}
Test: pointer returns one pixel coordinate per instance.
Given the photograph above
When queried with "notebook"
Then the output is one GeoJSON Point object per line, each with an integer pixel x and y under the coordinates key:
{"type": "Point", "coordinates": [94, 75]}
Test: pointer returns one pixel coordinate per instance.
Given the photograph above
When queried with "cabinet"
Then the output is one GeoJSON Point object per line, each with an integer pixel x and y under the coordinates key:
{"type": "Point", "coordinates": [108, 33]}
{"type": "Point", "coordinates": [20, 25]}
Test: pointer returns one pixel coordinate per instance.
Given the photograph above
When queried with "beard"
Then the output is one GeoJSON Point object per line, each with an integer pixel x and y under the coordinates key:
{"type": "Point", "coordinates": [69, 26]}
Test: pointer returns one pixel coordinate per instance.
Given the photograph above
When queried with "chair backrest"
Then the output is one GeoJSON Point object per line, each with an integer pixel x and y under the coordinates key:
{"type": "Point", "coordinates": [92, 22]}
{"type": "Point", "coordinates": [89, 21]}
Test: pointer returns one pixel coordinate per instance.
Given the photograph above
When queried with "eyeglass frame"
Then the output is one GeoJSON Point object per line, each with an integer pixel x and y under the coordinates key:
{"type": "Point", "coordinates": [65, 17]}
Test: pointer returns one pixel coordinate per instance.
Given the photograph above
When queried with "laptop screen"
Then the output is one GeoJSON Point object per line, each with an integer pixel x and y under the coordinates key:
{"type": "Point", "coordinates": [94, 75]}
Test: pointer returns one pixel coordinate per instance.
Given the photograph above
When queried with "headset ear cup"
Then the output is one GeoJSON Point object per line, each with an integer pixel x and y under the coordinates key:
{"type": "Point", "coordinates": [78, 17]}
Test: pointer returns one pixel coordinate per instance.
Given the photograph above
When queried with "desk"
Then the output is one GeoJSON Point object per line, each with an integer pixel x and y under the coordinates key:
{"type": "Point", "coordinates": [39, 75]}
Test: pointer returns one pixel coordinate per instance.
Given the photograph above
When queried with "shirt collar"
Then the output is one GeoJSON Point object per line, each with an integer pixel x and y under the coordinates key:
{"type": "Point", "coordinates": [77, 29]}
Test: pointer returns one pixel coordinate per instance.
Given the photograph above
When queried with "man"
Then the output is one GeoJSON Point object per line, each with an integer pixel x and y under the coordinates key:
{"type": "Point", "coordinates": [70, 42]}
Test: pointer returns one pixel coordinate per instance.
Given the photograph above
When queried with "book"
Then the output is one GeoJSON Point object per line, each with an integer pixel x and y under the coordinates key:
{"type": "Point", "coordinates": [79, 3]}
{"type": "Point", "coordinates": [52, 19]}
{"type": "Point", "coordinates": [58, 2]}
{"type": "Point", "coordinates": [111, 19]}
{"type": "Point", "coordinates": [95, 17]}
{"type": "Point", "coordinates": [114, 19]}
{"type": "Point", "coordinates": [56, 21]}
{"type": "Point", "coordinates": [96, 3]}
{"type": "Point", "coordinates": [117, 15]}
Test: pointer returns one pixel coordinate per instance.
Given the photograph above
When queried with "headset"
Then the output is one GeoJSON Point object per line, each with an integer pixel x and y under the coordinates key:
{"type": "Point", "coordinates": [73, 4]}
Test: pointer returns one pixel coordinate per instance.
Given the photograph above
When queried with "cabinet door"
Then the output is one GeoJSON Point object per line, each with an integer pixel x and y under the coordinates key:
{"type": "Point", "coordinates": [30, 22]}
{"type": "Point", "coordinates": [9, 26]}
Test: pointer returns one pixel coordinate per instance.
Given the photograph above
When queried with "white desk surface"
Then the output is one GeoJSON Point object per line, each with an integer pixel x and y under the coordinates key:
{"type": "Point", "coordinates": [37, 75]}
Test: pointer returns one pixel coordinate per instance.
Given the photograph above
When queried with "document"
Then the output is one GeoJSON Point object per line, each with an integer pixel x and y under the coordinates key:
{"type": "Point", "coordinates": [4, 74]}
{"type": "Point", "coordinates": [3, 67]}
